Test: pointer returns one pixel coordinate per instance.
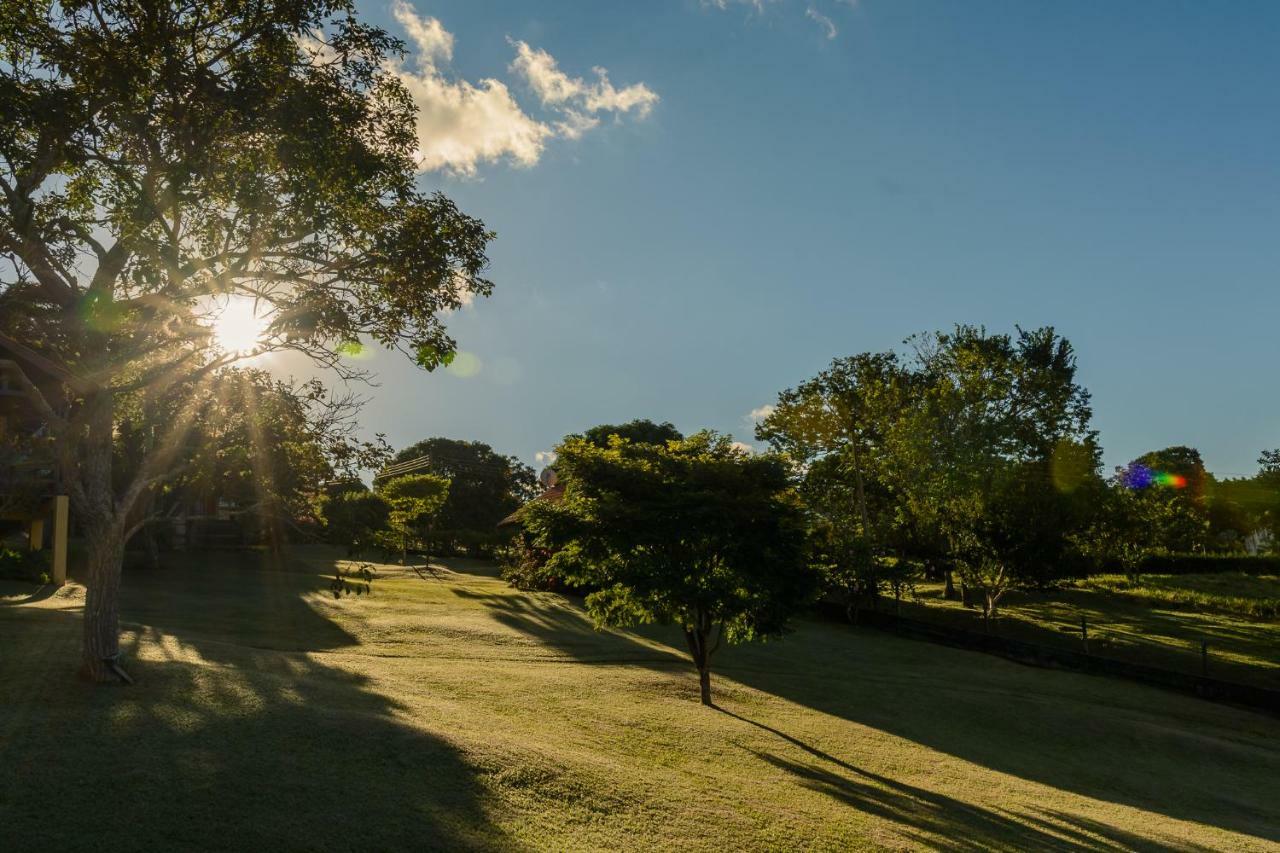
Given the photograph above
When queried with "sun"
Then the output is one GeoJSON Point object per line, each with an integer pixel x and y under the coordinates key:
{"type": "Point", "coordinates": [238, 326]}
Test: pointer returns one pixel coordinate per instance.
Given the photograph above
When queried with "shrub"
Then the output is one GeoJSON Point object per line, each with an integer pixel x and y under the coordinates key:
{"type": "Point", "coordinates": [30, 566]}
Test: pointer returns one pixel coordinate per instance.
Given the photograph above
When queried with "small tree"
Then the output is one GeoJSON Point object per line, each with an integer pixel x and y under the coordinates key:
{"type": "Point", "coordinates": [692, 532]}
{"type": "Point", "coordinates": [415, 499]}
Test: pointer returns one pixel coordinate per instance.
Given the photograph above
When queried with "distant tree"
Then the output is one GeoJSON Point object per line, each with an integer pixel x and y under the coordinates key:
{"type": "Point", "coordinates": [692, 532]}
{"type": "Point", "coordinates": [159, 158]}
{"type": "Point", "coordinates": [986, 410]}
{"type": "Point", "coordinates": [1021, 531]}
{"type": "Point", "coordinates": [640, 431]}
{"type": "Point", "coordinates": [1171, 485]}
{"type": "Point", "coordinates": [834, 426]}
{"type": "Point", "coordinates": [484, 486]}
{"type": "Point", "coordinates": [415, 501]}
{"type": "Point", "coordinates": [356, 520]}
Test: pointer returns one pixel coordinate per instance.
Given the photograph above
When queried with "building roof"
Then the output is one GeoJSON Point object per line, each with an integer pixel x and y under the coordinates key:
{"type": "Point", "coordinates": [554, 495]}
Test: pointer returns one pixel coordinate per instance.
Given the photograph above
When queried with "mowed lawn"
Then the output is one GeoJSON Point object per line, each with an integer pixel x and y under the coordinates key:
{"type": "Point", "coordinates": [453, 712]}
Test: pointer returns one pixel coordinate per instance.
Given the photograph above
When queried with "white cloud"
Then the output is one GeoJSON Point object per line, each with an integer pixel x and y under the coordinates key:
{"type": "Point", "coordinates": [744, 447]}
{"type": "Point", "coordinates": [577, 98]}
{"type": "Point", "coordinates": [759, 413]}
{"type": "Point", "coordinates": [434, 42]}
{"type": "Point", "coordinates": [828, 25]}
{"type": "Point", "coordinates": [545, 457]}
{"type": "Point", "coordinates": [463, 124]}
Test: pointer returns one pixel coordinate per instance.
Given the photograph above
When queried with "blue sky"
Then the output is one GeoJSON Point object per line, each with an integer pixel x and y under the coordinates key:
{"type": "Point", "coordinates": [748, 198]}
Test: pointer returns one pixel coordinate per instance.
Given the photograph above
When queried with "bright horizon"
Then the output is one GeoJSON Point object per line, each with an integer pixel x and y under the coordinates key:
{"type": "Point", "coordinates": [754, 190]}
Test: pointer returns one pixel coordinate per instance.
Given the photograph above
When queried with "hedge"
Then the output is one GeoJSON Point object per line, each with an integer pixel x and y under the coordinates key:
{"type": "Point", "coordinates": [1200, 564]}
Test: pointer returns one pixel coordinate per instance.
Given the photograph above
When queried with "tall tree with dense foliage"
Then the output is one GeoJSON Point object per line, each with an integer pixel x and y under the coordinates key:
{"type": "Point", "coordinates": [638, 431]}
{"type": "Point", "coordinates": [157, 158]}
{"type": "Point", "coordinates": [693, 532]}
{"type": "Point", "coordinates": [992, 413]}
{"type": "Point", "coordinates": [834, 427]}
{"type": "Point", "coordinates": [484, 486]}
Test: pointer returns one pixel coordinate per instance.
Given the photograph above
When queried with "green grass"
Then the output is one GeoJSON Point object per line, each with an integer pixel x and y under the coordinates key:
{"type": "Point", "coordinates": [1130, 627]}
{"type": "Point", "coordinates": [1228, 593]}
{"type": "Point", "coordinates": [454, 712]}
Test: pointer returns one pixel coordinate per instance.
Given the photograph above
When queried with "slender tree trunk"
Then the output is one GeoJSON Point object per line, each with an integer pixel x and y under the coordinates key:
{"type": "Point", "coordinates": [105, 555]}
{"type": "Point", "coordinates": [151, 546]}
{"type": "Point", "coordinates": [697, 636]}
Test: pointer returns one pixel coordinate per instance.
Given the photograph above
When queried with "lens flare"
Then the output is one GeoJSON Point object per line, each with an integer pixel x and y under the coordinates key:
{"type": "Point", "coordinates": [1142, 477]}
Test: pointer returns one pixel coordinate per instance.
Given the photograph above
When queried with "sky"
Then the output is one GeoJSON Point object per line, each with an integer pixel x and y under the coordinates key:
{"type": "Point", "coordinates": [699, 204]}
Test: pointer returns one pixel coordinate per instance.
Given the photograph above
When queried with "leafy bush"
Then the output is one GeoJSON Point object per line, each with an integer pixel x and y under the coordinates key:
{"type": "Point", "coordinates": [30, 566]}
{"type": "Point", "coordinates": [524, 566]}
{"type": "Point", "coordinates": [1197, 564]}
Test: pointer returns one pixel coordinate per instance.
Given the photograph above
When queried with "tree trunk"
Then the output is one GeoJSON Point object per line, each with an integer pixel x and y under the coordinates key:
{"type": "Point", "coordinates": [697, 637]}
{"type": "Point", "coordinates": [949, 593]}
{"type": "Point", "coordinates": [104, 527]}
{"type": "Point", "coordinates": [151, 546]}
{"type": "Point", "coordinates": [102, 601]}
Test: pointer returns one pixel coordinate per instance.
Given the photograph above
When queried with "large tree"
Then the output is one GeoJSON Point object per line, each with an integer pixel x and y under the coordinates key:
{"type": "Point", "coordinates": [992, 415]}
{"type": "Point", "coordinates": [158, 159]}
{"type": "Point", "coordinates": [484, 486]}
{"type": "Point", "coordinates": [692, 532]}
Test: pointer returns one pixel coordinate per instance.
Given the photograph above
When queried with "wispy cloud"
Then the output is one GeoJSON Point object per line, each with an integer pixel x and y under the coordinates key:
{"type": "Point", "coordinates": [758, 414]}
{"type": "Point", "coordinates": [818, 11]}
{"type": "Point", "coordinates": [545, 457]}
{"type": "Point", "coordinates": [463, 124]}
{"type": "Point", "coordinates": [828, 25]}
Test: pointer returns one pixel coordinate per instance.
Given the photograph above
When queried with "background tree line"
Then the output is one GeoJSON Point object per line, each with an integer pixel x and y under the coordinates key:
{"type": "Point", "coordinates": [969, 458]}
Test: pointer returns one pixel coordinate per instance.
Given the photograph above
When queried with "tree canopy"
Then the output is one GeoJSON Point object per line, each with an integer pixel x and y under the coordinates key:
{"type": "Point", "coordinates": [638, 431]}
{"type": "Point", "coordinates": [693, 532]}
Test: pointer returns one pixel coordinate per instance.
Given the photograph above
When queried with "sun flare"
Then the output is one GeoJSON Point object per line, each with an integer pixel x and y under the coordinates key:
{"type": "Point", "coordinates": [239, 327]}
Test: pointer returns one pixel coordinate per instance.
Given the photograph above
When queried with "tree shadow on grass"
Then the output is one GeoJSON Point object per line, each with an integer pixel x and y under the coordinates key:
{"type": "Point", "coordinates": [1100, 738]}
{"type": "Point", "coordinates": [557, 623]}
{"type": "Point", "coordinates": [226, 742]}
{"type": "Point", "coordinates": [936, 820]}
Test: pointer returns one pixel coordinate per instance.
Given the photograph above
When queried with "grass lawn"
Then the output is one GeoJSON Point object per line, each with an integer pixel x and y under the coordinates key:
{"type": "Point", "coordinates": [1161, 623]}
{"type": "Point", "coordinates": [1231, 593]}
{"type": "Point", "coordinates": [455, 712]}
